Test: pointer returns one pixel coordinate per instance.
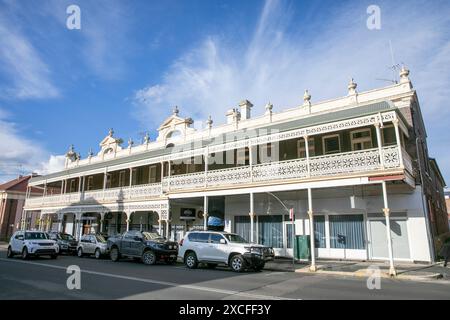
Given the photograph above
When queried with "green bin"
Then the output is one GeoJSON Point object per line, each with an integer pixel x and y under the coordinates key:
{"type": "Point", "coordinates": [301, 247]}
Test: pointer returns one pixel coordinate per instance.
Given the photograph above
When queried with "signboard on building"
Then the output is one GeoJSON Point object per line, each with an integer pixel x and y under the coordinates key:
{"type": "Point", "coordinates": [187, 214]}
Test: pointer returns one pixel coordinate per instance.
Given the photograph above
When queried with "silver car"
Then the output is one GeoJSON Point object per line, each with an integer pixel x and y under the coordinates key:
{"type": "Point", "coordinates": [92, 244]}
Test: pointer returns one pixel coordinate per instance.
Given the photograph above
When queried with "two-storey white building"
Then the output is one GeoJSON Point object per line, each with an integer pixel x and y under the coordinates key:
{"type": "Point", "coordinates": [351, 168]}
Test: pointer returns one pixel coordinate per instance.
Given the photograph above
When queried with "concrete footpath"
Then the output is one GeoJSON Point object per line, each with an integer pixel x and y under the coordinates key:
{"type": "Point", "coordinates": [405, 271]}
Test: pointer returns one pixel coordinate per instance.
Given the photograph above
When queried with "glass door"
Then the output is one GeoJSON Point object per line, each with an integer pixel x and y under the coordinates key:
{"type": "Point", "coordinates": [288, 238]}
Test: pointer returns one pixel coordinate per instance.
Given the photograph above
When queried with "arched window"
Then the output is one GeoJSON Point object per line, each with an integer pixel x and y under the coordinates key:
{"type": "Point", "coordinates": [107, 151]}
{"type": "Point", "coordinates": [170, 145]}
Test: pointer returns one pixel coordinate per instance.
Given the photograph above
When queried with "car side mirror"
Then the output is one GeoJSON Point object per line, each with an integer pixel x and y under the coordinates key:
{"type": "Point", "coordinates": [138, 239]}
{"type": "Point", "coordinates": [223, 241]}
{"type": "Point", "coordinates": [20, 238]}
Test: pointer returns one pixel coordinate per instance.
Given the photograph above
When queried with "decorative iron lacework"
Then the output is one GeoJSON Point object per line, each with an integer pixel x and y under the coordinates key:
{"type": "Point", "coordinates": [280, 170]}
{"type": "Point", "coordinates": [157, 206]}
{"type": "Point", "coordinates": [274, 137]}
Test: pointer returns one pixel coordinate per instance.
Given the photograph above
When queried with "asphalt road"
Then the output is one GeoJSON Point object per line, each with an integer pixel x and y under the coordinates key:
{"type": "Point", "coordinates": [43, 278]}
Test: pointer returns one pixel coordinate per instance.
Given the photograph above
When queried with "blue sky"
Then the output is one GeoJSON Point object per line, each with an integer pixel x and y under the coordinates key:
{"type": "Point", "coordinates": [131, 61]}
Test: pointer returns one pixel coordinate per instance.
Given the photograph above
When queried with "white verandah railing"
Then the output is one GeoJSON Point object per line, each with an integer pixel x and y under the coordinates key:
{"type": "Point", "coordinates": [328, 165]}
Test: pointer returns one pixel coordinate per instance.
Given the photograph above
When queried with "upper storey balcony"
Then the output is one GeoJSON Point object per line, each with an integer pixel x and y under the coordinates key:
{"type": "Point", "coordinates": [366, 150]}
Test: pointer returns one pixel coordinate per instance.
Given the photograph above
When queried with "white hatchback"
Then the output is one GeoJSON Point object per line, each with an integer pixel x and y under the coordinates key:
{"type": "Point", "coordinates": [32, 243]}
{"type": "Point", "coordinates": [214, 247]}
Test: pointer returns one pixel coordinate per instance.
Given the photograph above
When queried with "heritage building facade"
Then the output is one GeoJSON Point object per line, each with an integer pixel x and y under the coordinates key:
{"type": "Point", "coordinates": [351, 169]}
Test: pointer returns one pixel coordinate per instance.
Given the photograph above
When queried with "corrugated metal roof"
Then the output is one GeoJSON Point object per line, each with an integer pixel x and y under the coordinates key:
{"type": "Point", "coordinates": [279, 127]}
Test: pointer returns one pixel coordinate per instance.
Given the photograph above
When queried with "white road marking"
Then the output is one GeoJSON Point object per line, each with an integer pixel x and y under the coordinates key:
{"type": "Point", "coordinates": [164, 283]}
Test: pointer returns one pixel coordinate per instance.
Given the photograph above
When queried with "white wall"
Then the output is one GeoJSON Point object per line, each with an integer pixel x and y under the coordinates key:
{"type": "Point", "coordinates": [409, 203]}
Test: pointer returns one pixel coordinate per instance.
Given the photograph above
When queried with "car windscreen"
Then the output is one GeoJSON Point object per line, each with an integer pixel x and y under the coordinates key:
{"type": "Point", "coordinates": [100, 238]}
{"type": "Point", "coordinates": [35, 236]}
{"type": "Point", "coordinates": [235, 238]}
{"type": "Point", "coordinates": [65, 236]}
{"type": "Point", "coordinates": [151, 235]}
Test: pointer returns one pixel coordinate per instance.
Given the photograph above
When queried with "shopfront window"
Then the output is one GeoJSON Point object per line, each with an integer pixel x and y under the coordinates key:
{"type": "Point", "coordinates": [319, 232]}
{"type": "Point", "coordinates": [347, 231]}
{"type": "Point", "coordinates": [270, 230]}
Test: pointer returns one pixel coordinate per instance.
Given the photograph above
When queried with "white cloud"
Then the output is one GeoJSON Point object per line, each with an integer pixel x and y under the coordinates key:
{"type": "Point", "coordinates": [29, 75]}
{"type": "Point", "coordinates": [54, 164]}
{"type": "Point", "coordinates": [284, 57]}
{"type": "Point", "coordinates": [20, 155]}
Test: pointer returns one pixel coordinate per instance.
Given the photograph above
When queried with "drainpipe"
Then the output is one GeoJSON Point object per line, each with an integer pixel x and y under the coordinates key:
{"type": "Point", "coordinates": [425, 208]}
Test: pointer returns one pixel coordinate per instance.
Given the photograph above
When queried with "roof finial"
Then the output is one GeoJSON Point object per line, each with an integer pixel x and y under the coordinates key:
{"type": "Point", "coordinates": [404, 74]}
{"type": "Point", "coordinates": [111, 132]}
{"type": "Point", "coordinates": [130, 142]}
{"type": "Point", "coordinates": [268, 107]}
{"type": "Point", "coordinates": [306, 97]}
{"type": "Point", "coordinates": [352, 87]}
{"type": "Point", "coordinates": [209, 122]}
{"type": "Point", "coordinates": [146, 138]}
{"type": "Point", "coordinates": [90, 153]}
{"type": "Point", "coordinates": [175, 111]}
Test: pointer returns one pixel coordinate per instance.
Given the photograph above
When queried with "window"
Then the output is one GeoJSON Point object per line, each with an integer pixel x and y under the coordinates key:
{"type": "Point", "coordinates": [331, 144]}
{"type": "Point", "coordinates": [242, 156]}
{"type": "Point", "coordinates": [347, 231]}
{"type": "Point", "coordinates": [122, 178]}
{"type": "Point", "coordinates": [199, 237]}
{"type": "Point", "coordinates": [215, 238]}
{"type": "Point", "coordinates": [152, 176]}
{"type": "Point", "coordinates": [90, 183]}
{"type": "Point", "coordinates": [73, 185]}
{"type": "Point", "coordinates": [388, 135]}
{"type": "Point", "coordinates": [301, 150]}
{"type": "Point", "coordinates": [319, 232]}
{"type": "Point", "coordinates": [242, 226]}
{"type": "Point", "coordinates": [108, 180]}
{"type": "Point", "coordinates": [270, 230]}
{"type": "Point", "coordinates": [361, 139]}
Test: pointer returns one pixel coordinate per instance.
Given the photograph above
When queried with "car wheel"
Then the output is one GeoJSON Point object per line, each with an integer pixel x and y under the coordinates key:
{"type": "Point", "coordinates": [211, 265]}
{"type": "Point", "coordinates": [259, 267]}
{"type": "Point", "coordinates": [54, 256]}
{"type": "Point", "coordinates": [149, 257]}
{"type": "Point", "coordinates": [25, 255]}
{"type": "Point", "coordinates": [97, 254]}
{"type": "Point", "coordinates": [114, 254]}
{"type": "Point", "coordinates": [9, 253]}
{"type": "Point", "coordinates": [191, 260]}
{"type": "Point", "coordinates": [80, 252]}
{"type": "Point", "coordinates": [237, 263]}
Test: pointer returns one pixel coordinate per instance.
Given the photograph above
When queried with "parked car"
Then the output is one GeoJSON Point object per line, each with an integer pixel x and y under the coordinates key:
{"type": "Point", "coordinates": [66, 242]}
{"type": "Point", "coordinates": [32, 243]}
{"type": "Point", "coordinates": [150, 247]}
{"type": "Point", "coordinates": [215, 247]}
{"type": "Point", "coordinates": [92, 244]}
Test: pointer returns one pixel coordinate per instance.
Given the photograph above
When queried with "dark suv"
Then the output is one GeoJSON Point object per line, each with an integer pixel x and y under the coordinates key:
{"type": "Point", "coordinates": [147, 246]}
{"type": "Point", "coordinates": [66, 242]}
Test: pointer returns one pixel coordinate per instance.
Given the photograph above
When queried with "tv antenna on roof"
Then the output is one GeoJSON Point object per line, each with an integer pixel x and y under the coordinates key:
{"type": "Point", "coordinates": [394, 67]}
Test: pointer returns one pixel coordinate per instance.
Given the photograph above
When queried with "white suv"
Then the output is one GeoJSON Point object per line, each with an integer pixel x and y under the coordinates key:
{"type": "Point", "coordinates": [32, 243]}
{"type": "Point", "coordinates": [213, 248]}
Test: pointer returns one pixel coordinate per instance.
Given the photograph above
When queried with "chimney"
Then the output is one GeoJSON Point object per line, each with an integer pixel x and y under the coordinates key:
{"type": "Point", "coordinates": [232, 115]}
{"type": "Point", "coordinates": [246, 107]}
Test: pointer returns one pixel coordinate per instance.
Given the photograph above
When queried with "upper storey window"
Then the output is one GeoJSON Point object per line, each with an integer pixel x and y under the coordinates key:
{"type": "Point", "coordinates": [389, 138]}
{"type": "Point", "coordinates": [331, 144]}
{"type": "Point", "coordinates": [361, 139]}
